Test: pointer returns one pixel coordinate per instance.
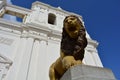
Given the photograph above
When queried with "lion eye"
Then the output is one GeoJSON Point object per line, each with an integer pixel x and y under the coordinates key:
{"type": "Point", "coordinates": [66, 20]}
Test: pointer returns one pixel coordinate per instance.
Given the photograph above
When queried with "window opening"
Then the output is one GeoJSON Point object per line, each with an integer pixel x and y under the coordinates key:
{"type": "Point", "coordinates": [51, 19]}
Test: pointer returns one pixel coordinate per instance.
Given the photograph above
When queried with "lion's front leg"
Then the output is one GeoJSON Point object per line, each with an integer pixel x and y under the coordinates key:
{"type": "Point", "coordinates": [78, 62]}
{"type": "Point", "coordinates": [52, 72]}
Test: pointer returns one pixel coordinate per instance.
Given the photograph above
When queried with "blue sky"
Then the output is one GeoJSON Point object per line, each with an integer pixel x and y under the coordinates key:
{"type": "Point", "coordinates": [102, 21]}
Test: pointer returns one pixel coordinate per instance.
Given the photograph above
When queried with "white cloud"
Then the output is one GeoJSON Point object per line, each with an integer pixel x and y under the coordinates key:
{"type": "Point", "coordinates": [9, 1]}
{"type": "Point", "coordinates": [9, 17]}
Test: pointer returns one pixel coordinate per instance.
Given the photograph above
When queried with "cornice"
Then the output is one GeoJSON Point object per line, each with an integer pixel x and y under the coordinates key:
{"type": "Point", "coordinates": [21, 27]}
{"type": "Point", "coordinates": [38, 28]}
{"type": "Point", "coordinates": [93, 42]}
{"type": "Point", "coordinates": [19, 8]}
{"type": "Point", "coordinates": [11, 25]}
{"type": "Point", "coordinates": [56, 9]}
{"type": "Point", "coordinates": [45, 30]}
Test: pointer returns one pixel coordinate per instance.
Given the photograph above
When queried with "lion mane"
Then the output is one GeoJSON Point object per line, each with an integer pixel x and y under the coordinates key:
{"type": "Point", "coordinates": [74, 47]}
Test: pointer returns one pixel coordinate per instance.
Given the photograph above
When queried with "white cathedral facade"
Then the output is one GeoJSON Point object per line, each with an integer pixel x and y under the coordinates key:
{"type": "Point", "coordinates": [28, 48]}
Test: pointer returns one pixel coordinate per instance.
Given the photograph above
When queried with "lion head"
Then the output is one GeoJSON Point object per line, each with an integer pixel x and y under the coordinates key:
{"type": "Point", "coordinates": [73, 37]}
{"type": "Point", "coordinates": [72, 26]}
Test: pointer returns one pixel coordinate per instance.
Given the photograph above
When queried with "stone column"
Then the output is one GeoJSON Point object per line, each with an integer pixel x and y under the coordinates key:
{"type": "Point", "coordinates": [36, 68]}
{"type": "Point", "coordinates": [19, 68]}
{"type": "Point", "coordinates": [41, 64]}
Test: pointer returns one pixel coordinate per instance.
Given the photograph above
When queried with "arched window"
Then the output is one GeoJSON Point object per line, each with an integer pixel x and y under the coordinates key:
{"type": "Point", "coordinates": [51, 18]}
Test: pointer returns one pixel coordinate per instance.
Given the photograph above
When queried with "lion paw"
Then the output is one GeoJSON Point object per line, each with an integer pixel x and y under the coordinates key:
{"type": "Point", "coordinates": [68, 62]}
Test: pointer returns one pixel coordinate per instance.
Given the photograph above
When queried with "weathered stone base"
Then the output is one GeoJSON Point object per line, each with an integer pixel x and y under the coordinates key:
{"type": "Point", "coordinates": [85, 72]}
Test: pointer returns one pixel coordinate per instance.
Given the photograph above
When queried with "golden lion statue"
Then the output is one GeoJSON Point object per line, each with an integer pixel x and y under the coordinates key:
{"type": "Point", "coordinates": [72, 47]}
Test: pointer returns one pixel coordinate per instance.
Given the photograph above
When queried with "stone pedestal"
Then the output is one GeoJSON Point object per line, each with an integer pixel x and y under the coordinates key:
{"type": "Point", "coordinates": [85, 72]}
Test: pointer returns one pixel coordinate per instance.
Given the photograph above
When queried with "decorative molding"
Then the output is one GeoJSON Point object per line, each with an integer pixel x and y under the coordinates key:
{"type": "Point", "coordinates": [5, 64]}
{"type": "Point", "coordinates": [17, 11]}
{"type": "Point", "coordinates": [4, 59]}
{"type": "Point", "coordinates": [6, 41]}
{"type": "Point", "coordinates": [93, 42]}
{"type": "Point", "coordinates": [48, 7]}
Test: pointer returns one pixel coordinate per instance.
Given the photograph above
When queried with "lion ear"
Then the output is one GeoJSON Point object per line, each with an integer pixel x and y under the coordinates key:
{"type": "Point", "coordinates": [66, 18]}
{"type": "Point", "coordinates": [81, 20]}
